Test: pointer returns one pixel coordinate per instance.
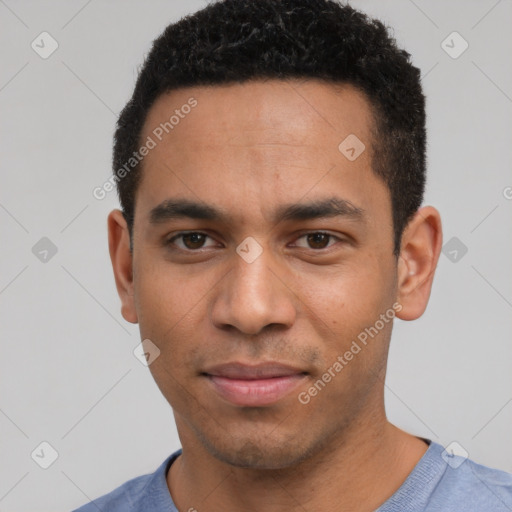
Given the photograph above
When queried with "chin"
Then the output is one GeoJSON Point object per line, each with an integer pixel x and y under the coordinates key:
{"type": "Point", "coordinates": [261, 453]}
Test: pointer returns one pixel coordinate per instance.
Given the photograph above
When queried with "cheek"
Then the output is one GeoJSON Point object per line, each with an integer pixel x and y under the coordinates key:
{"type": "Point", "coordinates": [348, 298]}
{"type": "Point", "coordinates": [166, 297]}
{"type": "Point", "coordinates": [168, 307]}
{"type": "Point", "coordinates": [343, 311]}
{"type": "Point", "coordinates": [172, 308]}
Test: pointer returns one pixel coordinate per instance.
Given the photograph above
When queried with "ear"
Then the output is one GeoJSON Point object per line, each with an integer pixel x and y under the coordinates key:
{"type": "Point", "coordinates": [419, 253]}
{"type": "Point", "coordinates": [121, 257]}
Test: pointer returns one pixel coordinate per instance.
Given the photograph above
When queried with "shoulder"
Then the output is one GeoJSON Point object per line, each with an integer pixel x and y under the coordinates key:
{"type": "Point", "coordinates": [145, 492]}
{"type": "Point", "coordinates": [472, 486]}
{"type": "Point", "coordinates": [445, 482]}
{"type": "Point", "coordinates": [121, 498]}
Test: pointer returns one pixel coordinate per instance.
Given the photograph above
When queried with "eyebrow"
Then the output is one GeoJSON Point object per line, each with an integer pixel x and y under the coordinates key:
{"type": "Point", "coordinates": [172, 209]}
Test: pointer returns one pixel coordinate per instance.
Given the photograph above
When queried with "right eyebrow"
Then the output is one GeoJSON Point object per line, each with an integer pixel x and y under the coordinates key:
{"type": "Point", "coordinates": [171, 209]}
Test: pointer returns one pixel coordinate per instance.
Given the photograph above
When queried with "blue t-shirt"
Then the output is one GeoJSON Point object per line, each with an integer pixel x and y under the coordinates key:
{"type": "Point", "coordinates": [438, 483]}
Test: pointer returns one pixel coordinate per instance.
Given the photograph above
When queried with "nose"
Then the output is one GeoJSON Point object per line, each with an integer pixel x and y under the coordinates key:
{"type": "Point", "coordinates": [253, 296]}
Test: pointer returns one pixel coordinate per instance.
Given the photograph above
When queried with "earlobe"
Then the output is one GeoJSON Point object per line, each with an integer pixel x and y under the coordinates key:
{"type": "Point", "coordinates": [122, 263]}
{"type": "Point", "coordinates": [419, 254]}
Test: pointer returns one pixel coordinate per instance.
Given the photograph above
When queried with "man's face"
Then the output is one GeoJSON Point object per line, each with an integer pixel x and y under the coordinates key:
{"type": "Point", "coordinates": [251, 151]}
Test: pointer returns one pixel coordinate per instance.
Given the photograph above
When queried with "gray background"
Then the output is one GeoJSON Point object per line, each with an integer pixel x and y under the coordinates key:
{"type": "Point", "coordinates": [67, 369]}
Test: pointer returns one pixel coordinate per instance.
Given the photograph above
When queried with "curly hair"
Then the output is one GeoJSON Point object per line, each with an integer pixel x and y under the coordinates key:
{"type": "Point", "coordinates": [232, 41]}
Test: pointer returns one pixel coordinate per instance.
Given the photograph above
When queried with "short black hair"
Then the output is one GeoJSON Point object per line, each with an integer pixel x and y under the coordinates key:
{"type": "Point", "coordinates": [232, 41]}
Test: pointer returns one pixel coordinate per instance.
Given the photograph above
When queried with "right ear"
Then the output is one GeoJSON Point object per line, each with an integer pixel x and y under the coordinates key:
{"type": "Point", "coordinates": [121, 257]}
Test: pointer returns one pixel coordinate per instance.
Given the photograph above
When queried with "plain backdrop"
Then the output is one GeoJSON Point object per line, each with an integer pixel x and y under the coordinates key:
{"type": "Point", "coordinates": [68, 375]}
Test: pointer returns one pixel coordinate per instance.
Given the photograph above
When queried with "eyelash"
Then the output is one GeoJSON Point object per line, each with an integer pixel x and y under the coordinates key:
{"type": "Point", "coordinates": [184, 233]}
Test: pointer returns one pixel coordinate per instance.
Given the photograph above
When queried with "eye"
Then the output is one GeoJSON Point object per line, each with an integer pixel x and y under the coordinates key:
{"type": "Point", "coordinates": [190, 241]}
{"type": "Point", "coordinates": [317, 240]}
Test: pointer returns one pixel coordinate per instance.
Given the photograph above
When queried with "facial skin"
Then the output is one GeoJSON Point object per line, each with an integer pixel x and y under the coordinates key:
{"type": "Point", "coordinates": [248, 150]}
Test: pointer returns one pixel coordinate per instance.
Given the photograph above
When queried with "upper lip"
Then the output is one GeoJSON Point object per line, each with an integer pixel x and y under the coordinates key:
{"type": "Point", "coordinates": [264, 370]}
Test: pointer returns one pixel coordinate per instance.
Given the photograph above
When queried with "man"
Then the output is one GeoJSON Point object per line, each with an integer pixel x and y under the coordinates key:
{"type": "Point", "coordinates": [271, 169]}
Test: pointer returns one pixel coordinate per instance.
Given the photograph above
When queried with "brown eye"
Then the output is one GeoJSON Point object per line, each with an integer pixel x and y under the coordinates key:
{"type": "Point", "coordinates": [193, 240]}
{"type": "Point", "coordinates": [318, 240]}
{"type": "Point", "coordinates": [190, 241]}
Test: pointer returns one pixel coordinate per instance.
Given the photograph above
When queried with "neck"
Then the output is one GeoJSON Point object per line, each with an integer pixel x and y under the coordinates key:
{"type": "Point", "coordinates": [355, 472]}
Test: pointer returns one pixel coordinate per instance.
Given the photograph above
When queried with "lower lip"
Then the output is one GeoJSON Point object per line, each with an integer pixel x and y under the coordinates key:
{"type": "Point", "coordinates": [253, 393]}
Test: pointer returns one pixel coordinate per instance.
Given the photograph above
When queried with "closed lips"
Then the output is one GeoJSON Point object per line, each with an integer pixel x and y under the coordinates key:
{"type": "Point", "coordinates": [245, 372]}
{"type": "Point", "coordinates": [253, 386]}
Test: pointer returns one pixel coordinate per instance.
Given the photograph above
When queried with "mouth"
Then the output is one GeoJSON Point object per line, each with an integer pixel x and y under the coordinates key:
{"type": "Point", "coordinates": [254, 385]}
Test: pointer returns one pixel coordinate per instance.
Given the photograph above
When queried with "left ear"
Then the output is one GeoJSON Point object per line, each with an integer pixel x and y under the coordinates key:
{"type": "Point", "coordinates": [421, 245]}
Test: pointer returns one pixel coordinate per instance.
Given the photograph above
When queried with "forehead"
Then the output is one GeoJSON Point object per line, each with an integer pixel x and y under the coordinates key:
{"type": "Point", "coordinates": [272, 141]}
{"type": "Point", "coordinates": [290, 111]}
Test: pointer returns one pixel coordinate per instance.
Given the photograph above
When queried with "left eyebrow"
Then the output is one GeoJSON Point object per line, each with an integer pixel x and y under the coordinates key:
{"type": "Point", "coordinates": [331, 207]}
